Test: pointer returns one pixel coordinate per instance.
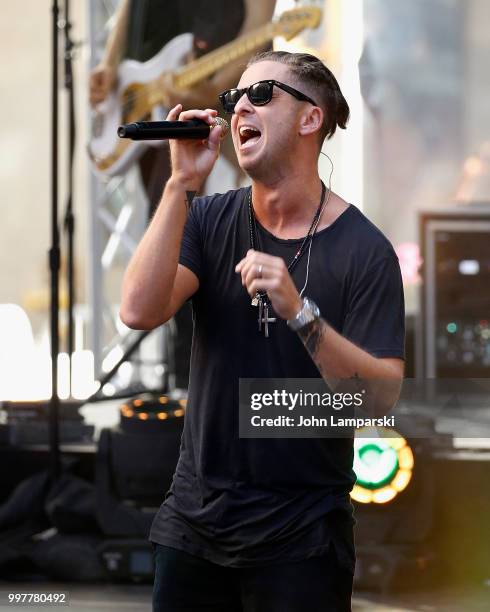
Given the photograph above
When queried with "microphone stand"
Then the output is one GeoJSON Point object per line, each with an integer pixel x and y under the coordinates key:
{"type": "Point", "coordinates": [69, 218]}
{"type": "Point", "coordinates": [54, 258]}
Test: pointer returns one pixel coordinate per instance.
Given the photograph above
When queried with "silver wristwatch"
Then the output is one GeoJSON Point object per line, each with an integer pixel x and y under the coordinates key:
{"type": "Point", "coordinates": [308, 313]}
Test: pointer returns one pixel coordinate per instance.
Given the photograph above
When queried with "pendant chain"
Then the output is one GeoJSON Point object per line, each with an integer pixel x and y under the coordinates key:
{"type": "Point", "coordinates": [254, 238]}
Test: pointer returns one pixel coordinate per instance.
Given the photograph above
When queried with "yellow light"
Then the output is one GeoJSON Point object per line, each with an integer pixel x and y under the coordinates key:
{"type": "Point", "coordinates": [405, 458]}
{"type": "Point", "coordinates": [128, 413]}
{"type": "Point", "coordinates": [163, 399]}
{"type": "Point", "coordinates": [384, 495]}
{"type": "Point", "coordinates": [143, 416]}
{"type": "Point", "coordinates": [162, 416]}
{"type": "Point", "coordinates": [183, 403]}
{"type": "Point", "coordinates": [397, 443]}
{"type": "Point", "coordinates": [401, 480]}
{"type": "Point", "coordinates": [361, 495]}
{"type": "Point", "coordinates": [179, 412]}
{"type": "Point", "coordinates": [138, 403]}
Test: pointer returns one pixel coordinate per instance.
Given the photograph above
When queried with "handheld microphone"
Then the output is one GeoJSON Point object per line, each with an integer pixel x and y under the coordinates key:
{"type": "Point", "coordinates": [162, 130]}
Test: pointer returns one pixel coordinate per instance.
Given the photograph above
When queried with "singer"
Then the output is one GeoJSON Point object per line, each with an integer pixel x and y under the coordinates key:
{"type": "Point", "coordinates": [286, 280]}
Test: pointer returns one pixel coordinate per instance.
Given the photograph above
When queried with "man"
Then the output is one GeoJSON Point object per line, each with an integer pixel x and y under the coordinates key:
{"type": "Point", "coordinates": [264, 524]}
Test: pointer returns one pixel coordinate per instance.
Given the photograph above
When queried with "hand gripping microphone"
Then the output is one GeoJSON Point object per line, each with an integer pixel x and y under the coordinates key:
{"type": "Point", "coordinates": [163, 130]}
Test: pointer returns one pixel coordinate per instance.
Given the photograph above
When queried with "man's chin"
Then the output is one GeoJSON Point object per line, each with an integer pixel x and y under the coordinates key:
{"type": "Point", "coordinates": [249, 163]}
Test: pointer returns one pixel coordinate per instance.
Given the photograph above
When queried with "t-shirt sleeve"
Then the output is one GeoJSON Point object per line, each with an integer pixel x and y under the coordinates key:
{"type": "Point", "coordinates": [375, 319]}
{"type": "Point", "coordinates": [191, 251]}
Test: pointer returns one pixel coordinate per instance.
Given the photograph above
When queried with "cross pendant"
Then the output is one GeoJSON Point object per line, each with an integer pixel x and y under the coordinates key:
{"type": "Point", "coordinates": [265, 319]}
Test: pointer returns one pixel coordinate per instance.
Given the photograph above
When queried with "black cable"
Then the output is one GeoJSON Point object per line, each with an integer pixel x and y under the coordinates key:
{"type": "Point", "coordinates": [69, 218]}
{"type": "Point", "coordinates": [54, 258]}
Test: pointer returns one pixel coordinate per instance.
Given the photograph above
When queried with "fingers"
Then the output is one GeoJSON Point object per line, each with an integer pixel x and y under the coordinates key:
{"type": "Point", "coordinates": [254, 272]}
{"type": "Point", "coordinates": [217, 133]}
{"type": "Point", "coordinates": [96, 89]}
{"type": "Point", "coordinates": [262, 285]}
{"type": "Point", "coordinates": [258, 258]}
{"type": "Point", "coordinates": [174, 112]}
{"type": "Point", "coordinates": [266, 274]}
{"type": "Point", "coordinates": [208, 115]}
{"type": "Point", "coordinates": [101, 82]}
{"type": "Point", "coordinates": [214, 140]}
{"type": "Point", "coordinates": [97, 96]}
{"type": "Point", "coordinates": [259, 270]}
{"type": "Point", "coordinates": [261, 277]}
{"type": "Point", "coordinates": [250, 257]}
{"type": "Point", "coordinates": [256, 276]}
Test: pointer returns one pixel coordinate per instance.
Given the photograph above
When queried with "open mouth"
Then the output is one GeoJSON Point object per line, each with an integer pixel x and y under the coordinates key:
{"type": "Point", "coordinates": [248, 135]}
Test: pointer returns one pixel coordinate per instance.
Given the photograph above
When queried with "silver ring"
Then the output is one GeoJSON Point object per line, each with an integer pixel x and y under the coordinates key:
{"type": "Point", "coordinates": [259, 271]}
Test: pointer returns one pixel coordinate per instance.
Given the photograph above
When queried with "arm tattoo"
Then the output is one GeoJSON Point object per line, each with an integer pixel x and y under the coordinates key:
{"type": "Point", "coordinates": [311, 336]}
{"type": "Point", "coordinates": [189, 196]}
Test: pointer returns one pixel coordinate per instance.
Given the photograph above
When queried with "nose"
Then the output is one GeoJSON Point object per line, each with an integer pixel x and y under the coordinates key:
{"type": "Point", "coordinates": [243, 105]}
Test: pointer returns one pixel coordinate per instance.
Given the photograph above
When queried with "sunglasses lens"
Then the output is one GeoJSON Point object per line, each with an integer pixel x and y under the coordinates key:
{"type": "Point", "coordinates": [260, 93]}
{"type": "Point", "coordinates": [229, 99]}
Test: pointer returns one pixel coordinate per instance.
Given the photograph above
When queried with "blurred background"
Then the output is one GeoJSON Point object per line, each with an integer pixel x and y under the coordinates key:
{"type": "Point", "coordinates": [83, 471]}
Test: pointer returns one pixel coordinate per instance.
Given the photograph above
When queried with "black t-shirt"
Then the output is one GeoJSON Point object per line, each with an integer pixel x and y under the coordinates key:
{"type": "Point", "coordinates": [242, 502]}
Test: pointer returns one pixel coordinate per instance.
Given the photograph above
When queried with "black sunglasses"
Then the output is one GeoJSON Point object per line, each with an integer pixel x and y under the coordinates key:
{"type": "Point", "coordinates": [259, 94]}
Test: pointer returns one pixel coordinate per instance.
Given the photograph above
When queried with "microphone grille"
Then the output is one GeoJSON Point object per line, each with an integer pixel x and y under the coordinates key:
{"type": "Point", "coordinates": [223, 124]}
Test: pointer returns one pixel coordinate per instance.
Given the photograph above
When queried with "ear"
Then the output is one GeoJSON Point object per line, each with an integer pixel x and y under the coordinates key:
{"type": "Point", "coordinates": [311, 120]}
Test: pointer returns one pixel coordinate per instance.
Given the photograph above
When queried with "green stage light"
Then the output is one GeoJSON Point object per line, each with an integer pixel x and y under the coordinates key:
{"type": "Point", "coordinates": [383, 464]}
{"type": "Point", "coordinates": [375, 463]}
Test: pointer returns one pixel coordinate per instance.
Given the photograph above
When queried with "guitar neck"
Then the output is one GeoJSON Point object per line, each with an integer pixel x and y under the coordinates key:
{"type": "Point", "coordinates": [201, 68]}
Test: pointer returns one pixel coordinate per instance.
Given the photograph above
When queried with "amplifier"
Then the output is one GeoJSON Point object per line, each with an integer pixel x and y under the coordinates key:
{"type": "Point", "coordinates": [453, 339]}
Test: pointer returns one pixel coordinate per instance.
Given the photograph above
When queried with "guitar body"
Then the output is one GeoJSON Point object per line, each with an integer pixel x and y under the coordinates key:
{"type": "Point", "coordinates": [132, 101]}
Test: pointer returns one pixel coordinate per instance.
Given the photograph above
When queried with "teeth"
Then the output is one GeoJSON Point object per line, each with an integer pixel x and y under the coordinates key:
{"type": "Point", "coordinates": [245, 129]}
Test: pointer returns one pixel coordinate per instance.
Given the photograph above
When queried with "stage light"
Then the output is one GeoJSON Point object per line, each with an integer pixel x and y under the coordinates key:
{"type": "Point", "coordinates": [383, 465]}
{"type": "Point", "coordinates": [109, 389]}
{"type": "Point", "coordinates": [148, 410]}
{"type": "Point", "coordinates": [112, 358]}
{"type": "Point", "coordinates": [452, 328]}
{"type": "Point", "coordinates": [24, 376]}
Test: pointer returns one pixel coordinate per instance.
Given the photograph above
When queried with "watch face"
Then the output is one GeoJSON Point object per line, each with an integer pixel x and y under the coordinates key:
{"type": "Point", "coordinates": [308, 313]}
{"type": "Point", "coordinates": [313, 308]}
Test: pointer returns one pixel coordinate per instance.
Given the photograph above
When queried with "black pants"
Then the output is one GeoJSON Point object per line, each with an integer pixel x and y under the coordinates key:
{"type": "Point", "coordinates": [184, 583]}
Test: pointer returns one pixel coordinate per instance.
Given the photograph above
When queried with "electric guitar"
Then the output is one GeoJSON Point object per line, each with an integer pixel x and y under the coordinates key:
{"type": "Point", "coordinates": [139, 95]}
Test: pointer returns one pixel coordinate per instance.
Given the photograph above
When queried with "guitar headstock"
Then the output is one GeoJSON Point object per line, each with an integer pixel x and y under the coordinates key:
{"type": "Point", "coordinates": [294, 21]}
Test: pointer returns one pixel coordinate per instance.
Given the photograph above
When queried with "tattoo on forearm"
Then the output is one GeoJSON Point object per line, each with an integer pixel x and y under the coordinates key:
{"type": "Point", "coordinates": [189, 196]}
{"type": "Point", "coordinates": [311, 336]}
